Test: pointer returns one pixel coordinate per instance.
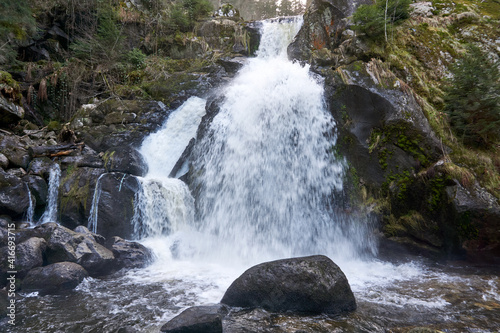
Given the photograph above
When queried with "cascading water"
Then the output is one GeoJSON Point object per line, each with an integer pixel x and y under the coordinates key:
{"type": "Point", "coordinates": [50, 214]}
{"type": "Point", "coordinates": [30, 213]}
{"type": "Point", "coordinates": [265, 188]}
{"type": "Point", "coordinates": [268, 174]}
{"type": "Point", "coordinates": [165, 204]}
{"type": "Point", "coordinates": [94, 210]}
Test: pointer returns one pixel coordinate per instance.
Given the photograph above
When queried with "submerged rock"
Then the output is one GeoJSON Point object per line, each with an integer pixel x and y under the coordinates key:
{"type": "Point", "coordinates": [197, 319]}
{"type": "Point", "coordinates": [54, 279]}
{"type": "Point", "coordinates": [312, 284]}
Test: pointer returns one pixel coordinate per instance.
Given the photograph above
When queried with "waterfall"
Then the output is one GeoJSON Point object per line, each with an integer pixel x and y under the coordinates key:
{"type": "Point", "coordinates": [30, 213]}
{"type": "Point", "coordinates": [50, 214]}
{"type": "Point", "coordinates": [164, 204]}
{"type": "Point", "coordinates": [268, 177]}
{"type": "Point", "coordinates": [94, 210]}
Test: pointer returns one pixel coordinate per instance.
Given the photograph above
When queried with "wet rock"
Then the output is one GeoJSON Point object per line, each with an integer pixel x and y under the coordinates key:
{"type": "Point", "coordinates": [76, 193]}
{"type": "Point", "coordinates": [84, 230]}
{"type": "Point", "coordinates": [4, 303]}
{"type": "Point", "coordinates": [4, 161]}
{"type": "Point", "coordinates": [66, 245]}
{"type": "Point", "coordinates": [302, 285]}
{"type": "Point", "coordinates": [129, 254]}
{"type": "Point", "coordinates": [38, 187]}
{"type": "Point", "coordinates": [116, 204]}
{"type": "Point", "coordinates": [14, 150]}
{"type": "Point", "coordinates": [10, 113]}
{"type": "Point", "coordinates": [29, 254]}
{"type": "Point", "coordinates": [206, 319]}
{"type": "Point", "coordinates": [14, 195]}
{"type": "Point", "coordinates": [40, 166]}
{"type": "Point", "coordinates": [126, 160]}
{"type": "Point", "coordinates": [232, 65]}
{"type": "Point", "coordinates": [54, 279]}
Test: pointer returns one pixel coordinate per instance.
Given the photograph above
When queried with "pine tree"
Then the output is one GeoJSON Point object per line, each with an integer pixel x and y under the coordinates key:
{"type": "Point", "coordinates": [472, 98]}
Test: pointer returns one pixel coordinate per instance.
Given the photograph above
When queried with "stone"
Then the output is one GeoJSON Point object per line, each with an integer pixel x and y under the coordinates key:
{"type": "Point", "coordinates": [14, 150]}
{"type": "Point", "coordinates": [312, 285]}
{"type": "Point", "coordinates": [66, 245]}
{"type": "Point", "coordinates": [125, 159]}
{"type": "Point", "coordinates": [14, 195]}
{"type": "Point", "coordinates": [38, 187]}
{"type": "Point", "coordinates": [29, 254]}
{"type": "Point", "coordinates": [115, 209]}
{"type": "Point", "coordinates": [40, 166]}
{"type": "Point", "coordinates": [10, 113]}
{"type": "Point", "coordinates": [129, 254]}
{"type": "Point", "coordinates": [4, 161]}
{"type": "Point", "coordinates": [76, 193]}
{"type": "Point", "coordinates": [197, 319]}
{"type": "Point", "coordinates": [54, 279]}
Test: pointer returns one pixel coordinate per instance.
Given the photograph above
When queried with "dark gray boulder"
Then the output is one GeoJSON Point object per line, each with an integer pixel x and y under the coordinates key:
{"type": "Point", "coordinates": [116, 204]}
{"type": "Point", "coordinates": [29, 254]}
{"type": "Point", "coordinates": [76, 192]}
{"type": "Point", "coordinates": [312, 284]}
{"type": "Point", "coordinates": [197, 319]}
{"type": "Point", "coordinates": [14, 195]}
{"type": "Point", "coordinates": [40, 166]}
{"type": "Point", "coordinates": [66, 245]}
{"type": "Point", "coordinates": [10, 113]}
{"type": "Point", "coordinates": [15, 150]}
{"type": "Point", "coordinates": [54, 279]}
{"type": "Point", "coordinates": [126, 160]}
{"type": "Point", "coordinates": [38, 188]}
{"type": "Point", "coordinates": [129, 254]}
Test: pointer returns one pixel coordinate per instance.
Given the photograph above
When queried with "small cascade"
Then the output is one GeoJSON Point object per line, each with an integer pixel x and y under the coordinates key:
{"type": "Point", "coordinates": [50, 214]}
{"type": "Point", "coordinates": [164, 204]}
{"type": "Point", "coordinates": [30, 213]}
{"type": "Point", "coordinates": [92, 222]}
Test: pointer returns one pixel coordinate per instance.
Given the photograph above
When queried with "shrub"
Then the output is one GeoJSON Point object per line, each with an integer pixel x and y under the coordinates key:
{"type": "Point", "coordinates": [472, 98]}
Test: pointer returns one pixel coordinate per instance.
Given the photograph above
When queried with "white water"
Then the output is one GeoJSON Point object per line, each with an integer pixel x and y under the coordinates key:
{"type": "Point", "coordinates": [266, 178]}
{"type": "Point", "coordinates": [50, 214]}
{"type": "Point", "coordinates": [94, 210]}
{"type": "Point", "coordinates": [30, 213]}
{"type": "Point", "coordinates": [165, 205]}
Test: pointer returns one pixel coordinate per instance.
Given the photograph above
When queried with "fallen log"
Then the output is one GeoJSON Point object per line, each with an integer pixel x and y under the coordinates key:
{"type": "Point", "coordinates": [53, 151]}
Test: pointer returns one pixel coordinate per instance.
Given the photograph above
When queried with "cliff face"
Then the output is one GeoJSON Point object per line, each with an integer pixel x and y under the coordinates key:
{"type": "Point", "coordinates": [387, 96]}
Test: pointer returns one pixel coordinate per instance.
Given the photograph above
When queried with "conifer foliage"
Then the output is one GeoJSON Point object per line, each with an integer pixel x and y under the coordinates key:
{"type": "Point", "coordinates": [472, 98]}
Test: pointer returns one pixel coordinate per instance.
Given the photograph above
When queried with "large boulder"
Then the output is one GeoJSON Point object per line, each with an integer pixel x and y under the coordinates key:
{"type": "Point", "coordinates": [38, 187]}
{"type": "Point", "coordinates": [54, 279]}
{"type": "Point", "coordinates": [14, 194]}
{"type": "Point", "coordinates": [29, 254]}
{"type": "Point", "coordinates": [197, 319]}
{"type": "Point", "coordinates": [129, 254]}
{"type": "Point", "coordinates": [76, 194]}
{"type": "Point", "coordinates": [15, 150]}
{"type": "Point", "coordinates": [114, 209]}
{"type": "Point", "coordinates": [126, 160]}
{"type": "Point", "coordinates": [66, 245]}
{"type": "Point", "coordinates": [312, 284]}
